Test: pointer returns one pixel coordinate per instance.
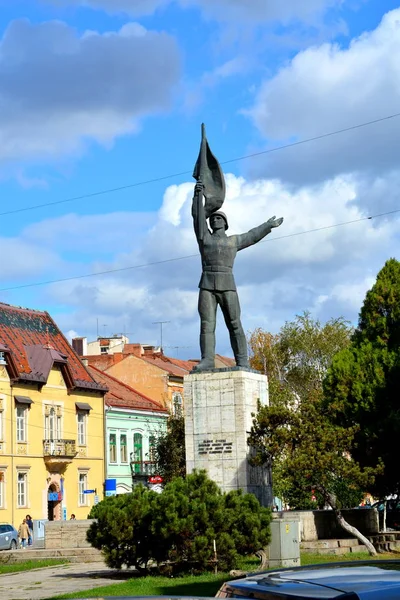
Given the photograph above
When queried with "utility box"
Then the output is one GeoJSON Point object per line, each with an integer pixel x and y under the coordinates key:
{"type": "Point", "coordinates": [38, 529]}
{"type": "Point", "coordinates": [284, 549]}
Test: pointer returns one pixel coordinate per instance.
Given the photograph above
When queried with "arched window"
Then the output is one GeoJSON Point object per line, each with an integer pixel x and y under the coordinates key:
{"type": "Point", "coordinates": [137, 452]}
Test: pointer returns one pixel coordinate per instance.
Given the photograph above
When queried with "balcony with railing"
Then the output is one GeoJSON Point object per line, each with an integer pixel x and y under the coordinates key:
{"type": "Point", "coordinates": [142, 468]}
{"type": "Point", "coordinates": [59, 452]}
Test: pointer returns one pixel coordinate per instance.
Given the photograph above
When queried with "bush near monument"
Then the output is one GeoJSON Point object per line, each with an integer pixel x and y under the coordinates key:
{"type": "Point", "coordinates": [176, 530]}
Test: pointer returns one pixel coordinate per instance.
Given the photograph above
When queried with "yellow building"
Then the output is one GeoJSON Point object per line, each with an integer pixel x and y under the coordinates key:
{"type": "Point", "coordinates": [51, 422]}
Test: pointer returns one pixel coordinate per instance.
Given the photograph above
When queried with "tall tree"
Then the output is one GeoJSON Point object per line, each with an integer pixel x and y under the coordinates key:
{"type": "Point", "coordinates": [312, 452]}
{"type": "Point", "coordinates": [308, 453]}
{"type": "Point", "coordinates": [361, 387]}
{"type": "Point", "coordinates": [296, 361]}
{"type": "Point", "coordinates": [170, 450]}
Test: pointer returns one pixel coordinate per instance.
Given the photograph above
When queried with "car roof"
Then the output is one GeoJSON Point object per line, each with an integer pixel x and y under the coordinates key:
{"type": "Point", "coordinates": [323, 581]}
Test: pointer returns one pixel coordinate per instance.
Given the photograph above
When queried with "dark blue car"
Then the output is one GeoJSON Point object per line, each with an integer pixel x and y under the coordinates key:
{"type": "Point", "coordinates": [361, 580]}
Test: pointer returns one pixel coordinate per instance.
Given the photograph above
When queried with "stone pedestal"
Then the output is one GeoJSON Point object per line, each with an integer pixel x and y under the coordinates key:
{"type": "Point", "coordinates": [218, 418]}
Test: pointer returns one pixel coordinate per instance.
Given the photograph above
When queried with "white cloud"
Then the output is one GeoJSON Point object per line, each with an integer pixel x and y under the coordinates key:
{"type": "Point", "coordinates": [22, 259]}
{"type": "Point", "coordinates": [60, 89]}
{"type": "Point", "coordinates": [327, 88]}
{"type": "Point", "coordinates": [99, 234]}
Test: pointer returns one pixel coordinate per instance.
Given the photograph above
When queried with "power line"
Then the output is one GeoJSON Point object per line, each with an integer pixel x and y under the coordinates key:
{"type": "Point", "coordinates": [169, 260]}
{"type": "Point", "coordinates": [182, 173]}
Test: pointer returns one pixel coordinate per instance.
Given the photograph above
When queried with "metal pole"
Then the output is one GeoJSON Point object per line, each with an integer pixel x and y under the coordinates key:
{"type": "Point", "coordinates": [161, 323]}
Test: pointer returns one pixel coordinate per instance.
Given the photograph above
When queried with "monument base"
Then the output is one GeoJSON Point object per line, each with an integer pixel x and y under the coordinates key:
{"type": "Point", "coordinates": [218, 418]}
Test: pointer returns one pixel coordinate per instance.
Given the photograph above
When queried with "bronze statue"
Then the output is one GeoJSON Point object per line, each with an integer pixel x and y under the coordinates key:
{"type": "Point", "coordinates": [218, 252]}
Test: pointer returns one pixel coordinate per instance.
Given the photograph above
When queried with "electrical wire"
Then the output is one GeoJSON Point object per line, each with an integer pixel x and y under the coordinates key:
{"type": "Point", "coordinates": [169, 260]}
{"type": "Point", "coordinates": [187, 172]}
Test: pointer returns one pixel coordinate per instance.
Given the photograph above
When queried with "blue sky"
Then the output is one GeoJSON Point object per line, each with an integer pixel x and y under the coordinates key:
{"type": "Point", "coordinates": [101, 94]}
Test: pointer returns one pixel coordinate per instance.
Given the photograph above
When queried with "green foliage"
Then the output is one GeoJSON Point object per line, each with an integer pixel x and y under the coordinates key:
{"type": "Point", "coordinates": [170, 450]}
{"type": "Point", "coordinates": [177, 528]}
{"type": "Point", "coordinates": [361, 387]}
{"type": "Point", "coordinates": [312, 451]}
{"type": "Point", "coordinates": [296, 361]}
{"type": "Point", "coordinates": [123, 528]}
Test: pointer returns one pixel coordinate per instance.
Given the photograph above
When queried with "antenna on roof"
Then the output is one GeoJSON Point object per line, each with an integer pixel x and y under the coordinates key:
{"type": "Point", "coordinates": [161, 323]}
{"type": "Point", "coordinates": [177, 348]}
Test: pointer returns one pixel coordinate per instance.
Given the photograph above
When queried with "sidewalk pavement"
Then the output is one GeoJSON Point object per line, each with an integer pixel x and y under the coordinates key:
{"type": "Point", "coordinates": [54, 581]}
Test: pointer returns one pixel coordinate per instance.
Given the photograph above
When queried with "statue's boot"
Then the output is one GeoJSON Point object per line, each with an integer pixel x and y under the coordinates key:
{"type": "Point", "coordinates": [239, 347]}
{"type": "Point", "coordinates": [207, 347]}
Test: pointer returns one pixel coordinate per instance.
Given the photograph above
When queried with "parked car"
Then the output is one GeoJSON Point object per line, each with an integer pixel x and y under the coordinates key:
{"type": "Point", "coordinates": [361, 580]}
{"type": "Point", "coordinates": [8, 537]}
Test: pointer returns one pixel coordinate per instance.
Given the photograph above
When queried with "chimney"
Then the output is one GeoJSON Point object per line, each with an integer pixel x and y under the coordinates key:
{"type": "Point", "coordinates": [135, 349]}
{"type": "Point", "coordinates": [80, 345]}
{"type": "Point", "coordinates": [148, 350]}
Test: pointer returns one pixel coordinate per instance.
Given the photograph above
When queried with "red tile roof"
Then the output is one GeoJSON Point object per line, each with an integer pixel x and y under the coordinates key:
{"type": "Point", "coordinates": [33, 343]}
{"type": "Point", "coordinates": [122, 395]}
{"type": "Point", "coordinates": [184, 364]}
{"type": "Point", "coordinates": [162, 362]}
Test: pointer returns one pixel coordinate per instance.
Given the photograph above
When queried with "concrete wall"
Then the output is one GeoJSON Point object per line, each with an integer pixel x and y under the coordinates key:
{"type": "Point", "coordinates": [66, 534]}
{"type": "Point", "coordinates": [322, 524]}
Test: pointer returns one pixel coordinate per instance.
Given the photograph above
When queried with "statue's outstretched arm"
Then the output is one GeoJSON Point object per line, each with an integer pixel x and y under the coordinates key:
{"type": "Point", "coordinates": [258, 233]}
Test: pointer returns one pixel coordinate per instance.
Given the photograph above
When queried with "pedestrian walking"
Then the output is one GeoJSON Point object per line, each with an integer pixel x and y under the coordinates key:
{"type": "Point", "coordinates": [29, 522]}
{"type": "Point", "coordinates": [23, 533]}
{"type": "Point", "coordinates": [72, 517]}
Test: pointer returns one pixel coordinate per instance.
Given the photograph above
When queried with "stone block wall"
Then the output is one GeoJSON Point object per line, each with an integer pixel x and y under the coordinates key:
{"type": "Point", "coordinates": [66, 534]}
{"type": "Point", "coordinates": [322, 524]}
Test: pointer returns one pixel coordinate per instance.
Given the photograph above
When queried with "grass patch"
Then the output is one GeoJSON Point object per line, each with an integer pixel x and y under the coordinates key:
{"type": "Point", "coordinates": [201, 585]}
{"type": "Point", "coordinates": [28, 565]}
{"type": "Point", "coordinates": [190, 585]}
{"type": "Point", "coordinates": [313, 559]}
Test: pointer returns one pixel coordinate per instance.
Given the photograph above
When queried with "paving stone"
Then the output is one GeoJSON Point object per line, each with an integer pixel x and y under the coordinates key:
{"type": "Point", "coordinates": [53, 581]}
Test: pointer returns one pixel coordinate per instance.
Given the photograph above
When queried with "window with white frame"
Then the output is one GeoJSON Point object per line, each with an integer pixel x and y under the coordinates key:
{"type": "Point", "coordinates": [22, 489]}
{"type": "Point", "coordinates": [82, 419]}
{"type": "Point", "coordinates": [52, 425]}
{"type": "Point", "coordinates": [82, 486]}
{"type": "Point", "coordinates": [22, 412]}
{"type": "Point", "coordinates": [177, 404]}
{"type": "Point", "coordinates": [112, 447]}
{"type": "Point", "coordinates": [123, 449]}
{"type": "Point", "coordinates": [2, 485]}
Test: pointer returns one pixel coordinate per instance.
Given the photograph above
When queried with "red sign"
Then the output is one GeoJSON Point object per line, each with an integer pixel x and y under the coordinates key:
{"type": "Point", "coordinates": [155, 479]}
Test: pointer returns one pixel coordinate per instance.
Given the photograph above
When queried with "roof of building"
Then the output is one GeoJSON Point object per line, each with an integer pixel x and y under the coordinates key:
{"type": "Point", "coordinates": [122, 395]}
{"type": "Point", "coordinates": [165, 363]}
{"type": "Point", "coordinates": [184, 364]}
{"type": "Point", "coordinates": [225, 360]}
{"type": "Point", "coordinates": [33, 343]}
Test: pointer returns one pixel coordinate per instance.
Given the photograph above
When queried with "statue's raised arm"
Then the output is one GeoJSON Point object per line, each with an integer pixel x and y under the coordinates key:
{"type": "Point", "coordinates": [198, 213]}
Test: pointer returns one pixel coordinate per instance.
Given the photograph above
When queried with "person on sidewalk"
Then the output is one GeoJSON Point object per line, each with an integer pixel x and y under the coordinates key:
{"type": "Point", "coordinates": [23, 533]}
{"type": "Point", "coordinates": [29, 522]}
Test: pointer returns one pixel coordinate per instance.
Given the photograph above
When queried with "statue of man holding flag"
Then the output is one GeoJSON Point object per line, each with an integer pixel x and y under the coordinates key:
{"type": "Point", "coordinates": [218, 252]}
